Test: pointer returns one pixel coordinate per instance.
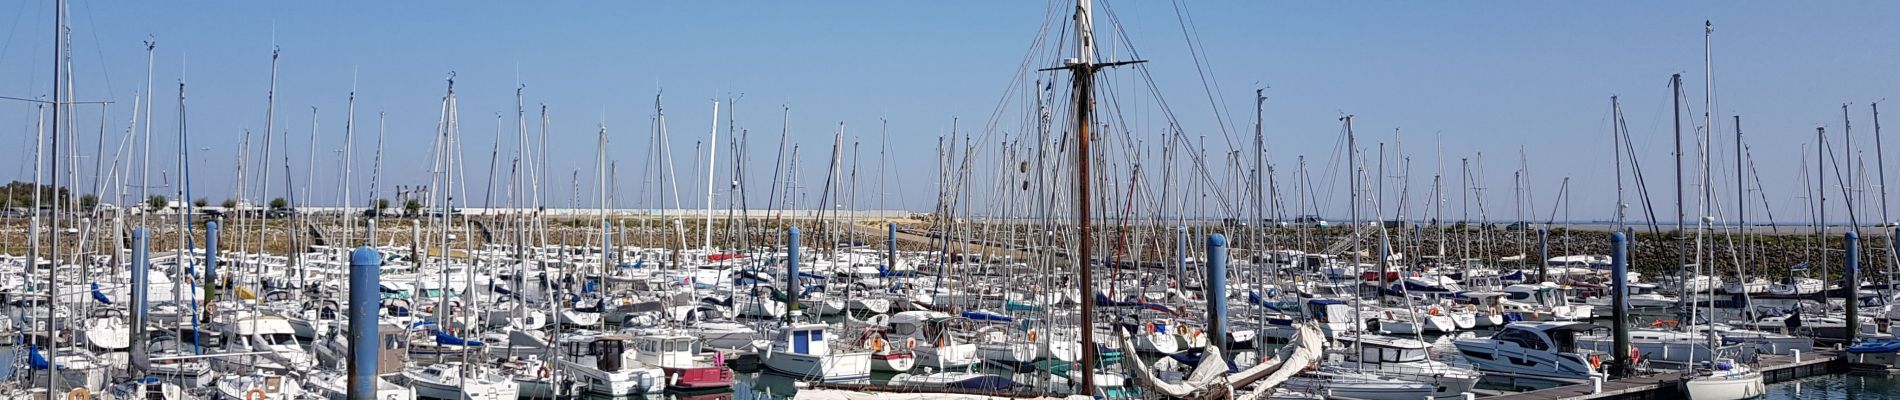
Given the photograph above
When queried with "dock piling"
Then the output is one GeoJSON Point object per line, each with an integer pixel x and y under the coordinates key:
{"type": "Point", "coordinates": [1619, 303]}
{"type": "Point", "coordinates": [211, 261]}
{"type": "Point", "coordinates": [141, 277]}
{"type": "Point", "coordinates": [791, 272]}
{"type": "Point", "coordinates": [1216, 287]}
{"type": "Point", "coordinates": [1543, 254]}
{"type": "Point", "coordinates": [1851, 283]}
{"type": "Point", "coordinates": [366, 267]}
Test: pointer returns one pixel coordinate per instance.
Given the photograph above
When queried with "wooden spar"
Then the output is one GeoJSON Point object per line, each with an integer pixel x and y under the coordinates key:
{"type": "Point", "coordinates": [1082, 72]}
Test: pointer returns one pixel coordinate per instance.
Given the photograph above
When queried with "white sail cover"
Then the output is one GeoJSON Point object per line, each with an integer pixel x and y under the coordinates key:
{"type": "Point", "coordinates": [1304, 349]}
{"type": "Point", "coordinates": [1311, 344]}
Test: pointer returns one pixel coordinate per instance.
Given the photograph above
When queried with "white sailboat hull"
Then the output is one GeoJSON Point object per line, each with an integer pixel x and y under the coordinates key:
{"type": "Point", "coordinates": [830, 368]}
{"type": "Point", "coordinates": [1724, 386]}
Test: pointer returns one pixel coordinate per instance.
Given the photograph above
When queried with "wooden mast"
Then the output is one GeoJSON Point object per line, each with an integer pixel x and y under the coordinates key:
{"type": "Point", "coordinates": [1082, 71]}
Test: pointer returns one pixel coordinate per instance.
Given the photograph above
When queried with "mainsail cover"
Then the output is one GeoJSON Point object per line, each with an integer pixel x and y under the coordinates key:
{"type": "Point", "coordinates": [1304, 349]}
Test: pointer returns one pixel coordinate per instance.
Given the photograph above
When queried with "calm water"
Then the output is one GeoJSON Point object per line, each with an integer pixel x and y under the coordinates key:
{"type": "Point", "coordinates": [1837, 387]}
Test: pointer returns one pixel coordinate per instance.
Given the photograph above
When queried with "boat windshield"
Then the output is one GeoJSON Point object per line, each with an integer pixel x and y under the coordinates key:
{"type": "Point", "coordinates": [1566, 340]}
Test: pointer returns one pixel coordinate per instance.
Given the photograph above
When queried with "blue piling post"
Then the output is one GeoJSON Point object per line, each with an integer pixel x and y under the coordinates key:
{"type": "Point", "coordinates": [1217, 290]}
{"type": "Point", "coordinates": [1619, 284]}
{"type": "Point", "coordinates": [1543, 254]}
{"type": "Point", "coordinates": [1851, 282]}
{"type": "Point", "coordinates": [366, 267]}
{"type": "Point", "coordinates": [141, 278]}
{"type": "Point", "coordinates": [211, 261]}
{"type": "Point", "coordinates": [791, 272]}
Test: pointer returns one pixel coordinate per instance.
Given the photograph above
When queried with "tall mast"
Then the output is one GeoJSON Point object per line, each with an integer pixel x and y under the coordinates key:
{"type": "Point", "coordinates": [1741, 210]}
{"type": "Point", "coordinates": [1082, 72]}
{"type": "Point", "coordinates": [712, 152]}
{"type": "Point", "coordinates": [1682, 244]}
{"type": "Point", "coordinates": [349, 162]}
{"type": "Point", "coordinates": [145, 171]}
{"type": "Point", "coordinates": [600, 163]}
{"type": "Point", "coordinates": [1820, 188]}
{"type": "Point", "coordinates": [59, 98]}
{"type": "Point", "coordinates": [1259, 168]}
{"type": "Point", "coordinates": [1880, 165]}
{"type": "Point", "coordinates": [1616, 148]}
{"type": "Point", "coordinates": [270, 120]}
{"type": "Point", "coordinates": [1704, 181]}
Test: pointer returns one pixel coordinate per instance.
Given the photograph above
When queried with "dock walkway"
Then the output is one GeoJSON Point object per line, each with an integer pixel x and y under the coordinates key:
{"type": "Point", "coordinates": [1774, 368]}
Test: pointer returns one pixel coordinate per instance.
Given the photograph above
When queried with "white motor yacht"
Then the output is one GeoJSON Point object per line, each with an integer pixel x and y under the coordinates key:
{"type": "Point", "coordinates": [1546, 350]}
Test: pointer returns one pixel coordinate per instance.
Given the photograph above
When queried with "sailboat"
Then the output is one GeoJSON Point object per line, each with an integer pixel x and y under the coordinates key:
{"type": "Point", "coordinates": [1720, 378]}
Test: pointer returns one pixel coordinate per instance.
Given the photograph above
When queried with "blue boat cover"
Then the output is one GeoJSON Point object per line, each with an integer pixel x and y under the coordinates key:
{"type": "Point", "coordinates": [100, 296]}
{"type": "Point", "coordinates": [37, 360]}
{"type": "Point", "coordinates": [444, 338]}
{"type": "Point", "coordinates": [986, 382]}
{"type": "Point", "coordinates": [980, 315]}
{"type": "Point", "coordinates": [1869, 347]}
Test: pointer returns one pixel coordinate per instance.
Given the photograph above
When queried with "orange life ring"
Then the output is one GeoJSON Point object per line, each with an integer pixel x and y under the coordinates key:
{"type": "Point", "coordinates": [1032, 335]}
{"type": "Point", "coordinates": [910, 343]}
{"type": "Point", "coordinates": [1596, 362]}
{"type": "Point", "coordinates": [79, 394]}
{"type": "Point", "coordinates": [877, 344]}
{"type": "Point", "coordinates": [1434, 311]}
{"type": "Point", "coordinates": [254, 394]}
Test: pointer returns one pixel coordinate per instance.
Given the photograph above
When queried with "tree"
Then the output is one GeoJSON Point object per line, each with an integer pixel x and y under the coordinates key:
{"type": "Point", "coordinates": [382, 204]}
{"type": "Point", "coordinates": [229, 204]}
{"type": "Point", "coordinates": [411, 206]}
{"type": "Point", "coordinates": [279, 203]}
{"type": "Point", "coordinates": [20, 194]}
{"type": "Point", "coordinates": [200, 202]}
{"type": "Point", "coordinates": [88, 202]}
{"type": "Point", "coordinates": [155, 203]}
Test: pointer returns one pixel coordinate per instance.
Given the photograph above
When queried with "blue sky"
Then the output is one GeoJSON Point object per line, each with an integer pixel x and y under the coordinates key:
{"type": "Point", "coordinates": [1489, 77]}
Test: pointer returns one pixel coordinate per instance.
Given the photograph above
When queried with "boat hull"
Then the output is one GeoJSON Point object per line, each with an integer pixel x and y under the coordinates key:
{"type": "Point", "coordinates": [1725, 387]}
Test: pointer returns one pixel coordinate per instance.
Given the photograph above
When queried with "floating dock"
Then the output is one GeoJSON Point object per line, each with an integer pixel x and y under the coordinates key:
{"type": "Point", "coordinates": [1668, 385]}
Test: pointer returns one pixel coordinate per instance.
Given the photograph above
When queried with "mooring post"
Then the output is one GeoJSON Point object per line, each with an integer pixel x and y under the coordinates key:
{"type": "Point", "coordinates": [366, 267]}
{"type": "Point", "coordinates": [1216, 289]}
{"type": "Point", "coordinates": [1543, 254]}
{"type": "Point", "coordinates": [141, 271]}
{"type": "Point", "coordinates": [1620, 291]}
{"type": "Point", "coordinates": [211, 261]}
{"type": "Point", "coordinates": [791, 272]}
{"type": "Point", "coordinates": [1851, 283]}
{"type": "Point", "coordinates": [369, 238]}
{"type": "Point", "coordinates": [890, 247]}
